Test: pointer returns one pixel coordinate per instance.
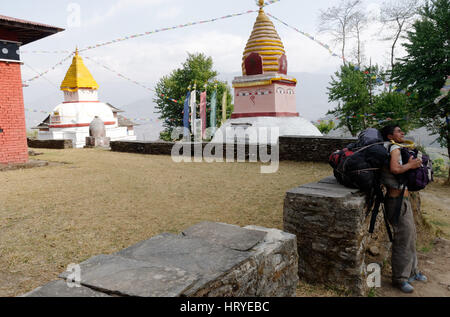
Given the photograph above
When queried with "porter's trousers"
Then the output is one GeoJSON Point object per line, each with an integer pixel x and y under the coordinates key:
{"type": "Point", "coordinates": [404, 257]}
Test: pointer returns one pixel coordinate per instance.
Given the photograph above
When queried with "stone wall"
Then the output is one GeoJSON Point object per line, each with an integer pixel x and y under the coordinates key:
{"type": "Point", "coordinates": [311, 149]}
{"type": "Point", "coordinates": [142, 147]}
{"type": "Point", "coordinates": [205, 260]}
{"type": "Point", "coordinates": [194, 149]}
{"type": "Point", "coordinates": [333, 242]}
{"type": "Point", "coordinates": [50, 144]}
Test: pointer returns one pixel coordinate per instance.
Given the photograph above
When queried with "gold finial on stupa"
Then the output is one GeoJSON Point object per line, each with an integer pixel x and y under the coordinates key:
{"type": "Point", "coordinates": [78, 76]}
{"type": "Point", "coordinates": [265, 41]}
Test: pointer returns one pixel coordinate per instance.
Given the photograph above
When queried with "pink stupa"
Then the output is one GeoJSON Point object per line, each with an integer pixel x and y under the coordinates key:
{"type": "Point", "coordinates": [265, 96]}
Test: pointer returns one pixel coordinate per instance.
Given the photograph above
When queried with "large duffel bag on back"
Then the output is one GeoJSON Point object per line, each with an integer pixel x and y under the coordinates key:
{"type": "Point", "coordinates": [359, 164]}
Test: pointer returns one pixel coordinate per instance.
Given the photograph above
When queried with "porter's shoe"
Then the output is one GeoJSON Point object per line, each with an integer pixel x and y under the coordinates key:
{"type": "Point", "coordinates": [405, 287]}
{"type": "Point", "coordinates": [418, 277]}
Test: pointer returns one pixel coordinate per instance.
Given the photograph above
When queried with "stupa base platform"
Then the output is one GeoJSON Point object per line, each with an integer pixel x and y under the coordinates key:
{"type": "Point", "coordinates": [263, 130]}
{"type": "Point", "coordinates": [92, 142]}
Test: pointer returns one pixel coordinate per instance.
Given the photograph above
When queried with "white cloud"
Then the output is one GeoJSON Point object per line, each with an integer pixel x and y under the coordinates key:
{"type": "Point", "coordinates": [119, 7]}
{"type": "Point", "coordinates": [305, 55]}
{"type": "Point", "coordinates": [373, 11]}
{"type": "Point", "coordinates": [147, 61]}
{"type": "Point", "coordinates": [169, 13]}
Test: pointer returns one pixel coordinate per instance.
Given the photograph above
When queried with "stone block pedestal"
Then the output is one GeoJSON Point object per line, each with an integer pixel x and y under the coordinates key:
{"type": "Point", "coordinates": [97, 142]}
{"type": "Point", "coordinates": [331, 226]}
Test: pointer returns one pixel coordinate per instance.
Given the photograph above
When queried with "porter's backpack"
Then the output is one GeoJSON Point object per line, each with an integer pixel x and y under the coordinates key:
{"type": "Point", "coordinates": [414, 180]}
{"type": "Point", "coordinates": [359, 166]}
{"type": "Point", "coordinates": [419, 178]}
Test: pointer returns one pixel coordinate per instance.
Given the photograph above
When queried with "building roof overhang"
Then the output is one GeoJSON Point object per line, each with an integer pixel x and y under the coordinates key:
{"type": "Point", "coordinates": [27, 31]}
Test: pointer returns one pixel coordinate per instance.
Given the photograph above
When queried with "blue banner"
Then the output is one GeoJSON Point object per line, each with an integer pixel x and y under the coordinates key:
{"type": "Point", "coordinates": [186, 113]}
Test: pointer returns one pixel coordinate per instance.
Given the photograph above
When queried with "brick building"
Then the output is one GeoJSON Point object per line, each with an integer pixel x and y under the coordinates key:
{"type": "Point", "coordinates": [13, 34]}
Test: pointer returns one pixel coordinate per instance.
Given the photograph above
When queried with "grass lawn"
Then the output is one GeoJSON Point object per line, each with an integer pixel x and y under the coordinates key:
{"type": "Point", "coordinates": [99, 202]}
{"type": "Point", "coordinates": [436, 207]}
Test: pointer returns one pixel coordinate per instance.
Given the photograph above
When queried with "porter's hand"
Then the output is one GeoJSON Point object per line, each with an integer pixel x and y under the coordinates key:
{"type": "Point", "coordinates": [414, 163]}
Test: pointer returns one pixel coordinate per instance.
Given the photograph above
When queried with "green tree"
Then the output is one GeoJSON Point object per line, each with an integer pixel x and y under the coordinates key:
{"type": "Point", "coordinates": [440, 169]}
{"type": "Point", "coordinates": [325, 126]}
{"type": "Point", "coordinates": [197, 69]}
{"type": "Point", "coordinates": [355, 91]}
{"type": "Point", "coordinates": [394, 108]}
{"type": "Point", "coordinates": [424, 69]}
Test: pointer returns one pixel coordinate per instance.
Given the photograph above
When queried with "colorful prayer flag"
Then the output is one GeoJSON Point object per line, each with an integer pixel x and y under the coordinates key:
{"type": "Point", "coordinates": [213, 110]}
{"type": "Point", "coordinates": [186, 114]}
{"type": "Point", "coordinates": [224, 107]}
{"type": "Point", "coordinates": [203, 112]}
{"type": "Point", "coordinates": [193, 110]}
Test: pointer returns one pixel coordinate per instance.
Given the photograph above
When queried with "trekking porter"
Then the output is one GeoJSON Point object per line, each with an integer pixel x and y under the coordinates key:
{"type": "Point", "coordinates": [405, 171]}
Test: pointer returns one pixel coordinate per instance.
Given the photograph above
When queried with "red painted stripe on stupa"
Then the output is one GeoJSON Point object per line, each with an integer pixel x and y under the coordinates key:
{"type": "Point", "coordinates": [264, 114]}
{"type": "Point", "coordinates": [284, 83]}
{"type": "Point", "coordinates": [78, 125]}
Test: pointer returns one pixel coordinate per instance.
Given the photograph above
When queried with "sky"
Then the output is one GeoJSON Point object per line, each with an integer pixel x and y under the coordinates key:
{"type": "Point", "coordinates": [148, 58]}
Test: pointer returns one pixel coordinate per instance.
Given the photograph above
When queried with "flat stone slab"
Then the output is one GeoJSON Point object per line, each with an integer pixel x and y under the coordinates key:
{"type": "Point", "coordinates": [60, 288]}
{"type": "Point", "coordinates": [230, 236]}
{"type": "Point", "coordinates": [124, 276]}
{"type": "Point", "coordinates": [251, 261]}
{"type": "Point", "coordinates": [194, 255]}
{"type": "Point", "coordinates": [27, 165]}
{"type": "Point", "coordinates": [329, 180]}
{"type": "Point", "coordinates": [324, 189]}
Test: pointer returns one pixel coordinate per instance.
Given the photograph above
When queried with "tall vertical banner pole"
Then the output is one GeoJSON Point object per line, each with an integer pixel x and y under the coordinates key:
{"type": "Point", "coordinates": [203, 111]}
{"type": "Point", "coordinates": [193, 109]}
{"type": "Point", "coordinates": [213, 110]}
{"type": "Point", "coordinates": [186, 114]}
{"type": "Point", "coordinates": [224, 107]}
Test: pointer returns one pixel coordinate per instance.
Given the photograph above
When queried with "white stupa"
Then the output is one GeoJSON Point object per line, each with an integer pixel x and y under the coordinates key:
{"type": "Point", "coordinates": [265, 96]}
{"type": "Point", "coordinates": [71, 119]}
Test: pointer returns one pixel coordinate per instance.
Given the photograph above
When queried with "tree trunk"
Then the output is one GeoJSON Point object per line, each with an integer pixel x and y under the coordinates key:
{"type": "Point", "coordinates": [349, 127]}
{"type": "Point", "coordinates": [397, 36]}
{"type": "Point", "coordinates": [343, 44]}
{"type": "Point", "coordinates": [393, 49]}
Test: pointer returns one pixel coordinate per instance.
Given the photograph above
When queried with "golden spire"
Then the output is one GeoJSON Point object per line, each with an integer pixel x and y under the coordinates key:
{"type": "Point", "coordinates": [265, 41]}
{"type": "Point", "coordinates": [78, 76]}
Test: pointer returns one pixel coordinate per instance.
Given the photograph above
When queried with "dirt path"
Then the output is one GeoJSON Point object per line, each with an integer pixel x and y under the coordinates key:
{"type": "Point", "coordinates": [435, 264]}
